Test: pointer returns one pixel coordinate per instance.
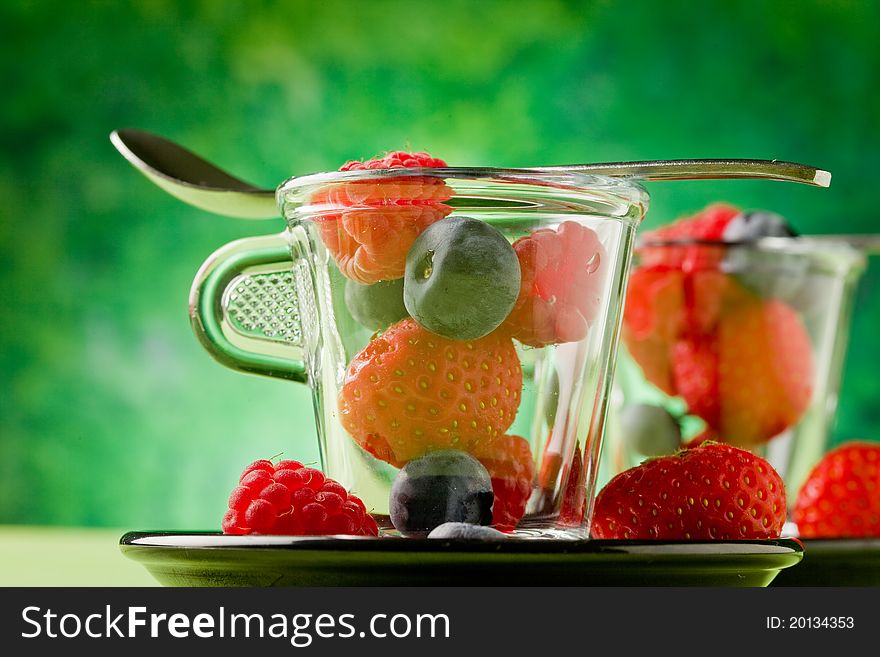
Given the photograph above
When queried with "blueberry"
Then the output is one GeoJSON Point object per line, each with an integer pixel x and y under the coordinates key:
{"type": "Point", "coordinates": [444, 486]}
{"type": "Point", "coordinates": [755, 224]}
{"type": "Point", "coordinates": [650, 430]}
{"type": "Point", "coordinates": [770, 274]}
{"type": "Point", "coordinates": [464, 531]}
{"type": "Point", "coordinates": [462, 278]}
{"type": "Point", "coordinates": [375, 306]}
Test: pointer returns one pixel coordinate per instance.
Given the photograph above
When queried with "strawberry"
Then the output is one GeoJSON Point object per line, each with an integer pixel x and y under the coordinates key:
{"type": "Point", "coordinates": [742, 364]}
{"type": "Point", "coordinates": [512, 469]}
{"type": "Point", "coordinates": [676, 291]}
{"type": "Point", "coordinates": [561, 286]}
{"type": "Point", "coordinates": [714, 491]}
{"type": "Point", "coordinates": [841, 496]}
{"type": "Point", "coordinates": [765, 372]}
{"type": "Point", "coordinates": [654, 304]}
{"type": "Point", "coordinates": [665, 307]}
{"type": "Point", "coordinates": [695, 376]}
{"type": "Point", "coordinates": [752, 380]}
{"type": "Point", "coordinates": [410, 392]}
{"type": "Point", "coordinates": [369, 225]}
{"type": "Point", "coordinates": [652, 353]}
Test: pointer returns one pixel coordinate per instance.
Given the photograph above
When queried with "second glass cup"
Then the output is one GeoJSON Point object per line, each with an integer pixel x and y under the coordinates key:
{"type": "Point", "coordinates": [399, 371]}
{"type": "Point", "coordinates": [739, 342]}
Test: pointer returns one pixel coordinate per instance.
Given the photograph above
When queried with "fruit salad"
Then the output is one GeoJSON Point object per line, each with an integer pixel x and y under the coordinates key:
{"type": "Point", "coordinates": [732, 334]}
{"type": "Point", "coordinates": [742, 362]}
{"type": "Point", "coordinates": [468, 349]}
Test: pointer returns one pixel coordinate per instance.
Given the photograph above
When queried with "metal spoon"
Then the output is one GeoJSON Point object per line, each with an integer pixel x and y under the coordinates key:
{"type": "Point", "coordinates": [192, 179]}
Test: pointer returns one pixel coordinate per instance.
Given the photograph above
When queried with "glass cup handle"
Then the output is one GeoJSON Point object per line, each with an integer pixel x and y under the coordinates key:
{"type": "Point", "coordinates": [244, 310]}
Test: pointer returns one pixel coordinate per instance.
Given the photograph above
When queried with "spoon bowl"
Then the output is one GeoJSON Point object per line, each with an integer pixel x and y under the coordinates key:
{"type": "Point", "coordinates": [192, 179]}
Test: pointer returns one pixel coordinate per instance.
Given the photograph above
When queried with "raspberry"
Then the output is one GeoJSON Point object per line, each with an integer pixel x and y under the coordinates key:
{"type": "Point", "coordinates": [410, 392]}
{"type": "Point", "coordinates": [561, 285]}
{"type": "Point", "coordinates": [512, 470]}
{"type": "Point", "coordinates": [395, 160]}
{"type": "Point", "coordinates": [369, 225]}
{"type": "Point", "coordinates": [706, 226]}
{"type": "Point", "coordinates": [289, 498]}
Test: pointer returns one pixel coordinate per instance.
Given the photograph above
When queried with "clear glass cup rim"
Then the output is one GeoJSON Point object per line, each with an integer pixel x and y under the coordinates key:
{"type": "Point", "coordinates": [845, 255]}
{"type": "Point", "coordinates": [627, 190]}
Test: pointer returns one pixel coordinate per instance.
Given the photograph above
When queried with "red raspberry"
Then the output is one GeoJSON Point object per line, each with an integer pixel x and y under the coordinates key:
{"type": "Point", "coordinates": [369, 225]}
{"type": "Point", "coordinates": [512, 469]}
{"type": "Point", "coordinates": [561, 286]}
{"type": "Point", "coordinates": [706, 226]}
{"type": "Point", "coordinates": [395, 160]}
{"type": "Point", "coordinates": [841, 497]}
{"type": "Point", "coordinates": [289, 498]}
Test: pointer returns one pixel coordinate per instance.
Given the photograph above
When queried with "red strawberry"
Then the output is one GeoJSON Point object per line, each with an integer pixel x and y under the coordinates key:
{"type": "Point", "coordinates": [512, 469]}
{"type": "Point", "coordinates": [654, 304]}
{"type": "Point", "coordinates": [742, 364]}
{"type": "Point", "coordinates": [369, 225]}
{"type": "Point", "coordinates": [288, 498]}
{"type": "Point", "coordinates": [714, 491]}
{"type": "Point", "coordinates": [561, 287]}
{"type": "Point", "coordinates": [841, 497]}
{"type": "Point", "coordinates": [754, 378]}
{"type": "Point", "coordinates": [695, 377]}
{"type": "Point", "coordinates": [410, 391]}
{"type": "Point", "coordinates": [765, 372]}
{"type": "Point", "coordinates": [653, 355]}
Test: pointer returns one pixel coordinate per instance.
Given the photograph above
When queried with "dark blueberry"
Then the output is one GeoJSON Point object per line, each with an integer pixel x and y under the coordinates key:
{"type": "Point", "coordinates": [376, 306]}
{"type": "Point", "coordinates": [444, 486]}
{"type": "Point", "coordinates": [769, 273]}
{"type": "Point", "coordinates": [755, 224]}
{"type": "Point", "coordinates": [462, 278]}
{"type": "Point", "coordinates": [650, 430]}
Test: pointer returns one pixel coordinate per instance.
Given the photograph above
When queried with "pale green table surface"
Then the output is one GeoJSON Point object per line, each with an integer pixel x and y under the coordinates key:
{"type": "Point", "coordinates": [56, 556]}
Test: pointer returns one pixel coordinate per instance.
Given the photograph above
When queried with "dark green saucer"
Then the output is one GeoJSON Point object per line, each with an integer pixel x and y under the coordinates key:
{"type": "Point", "coordinates": [211, 559]}
{"type": "Point", "coordinates": [836, 562]}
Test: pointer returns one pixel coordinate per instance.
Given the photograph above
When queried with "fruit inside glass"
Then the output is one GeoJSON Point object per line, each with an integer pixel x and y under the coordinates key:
{"type": "Point", "coordinates": [435, 312]}
{"type": "Point", "coordinates": [738, 342]}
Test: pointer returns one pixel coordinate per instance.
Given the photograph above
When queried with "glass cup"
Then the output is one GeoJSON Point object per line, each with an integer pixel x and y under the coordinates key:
{"type": "Point", "coordinates": [322, 304]}
{"type": "Point", "coordinates": [740, 342]}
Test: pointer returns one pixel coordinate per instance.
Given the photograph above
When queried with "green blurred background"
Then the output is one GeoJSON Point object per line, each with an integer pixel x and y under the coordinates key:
{"type": "Point", "coordinates": [112, 415]}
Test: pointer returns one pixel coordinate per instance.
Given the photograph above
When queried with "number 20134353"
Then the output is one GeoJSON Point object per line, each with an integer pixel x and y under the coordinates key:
{"type": "Point", "coordinates": [810, 623]}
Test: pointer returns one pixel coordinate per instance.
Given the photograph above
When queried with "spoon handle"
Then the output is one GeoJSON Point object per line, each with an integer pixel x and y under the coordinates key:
{"type": "Point", "coordinates": [711, 169]}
